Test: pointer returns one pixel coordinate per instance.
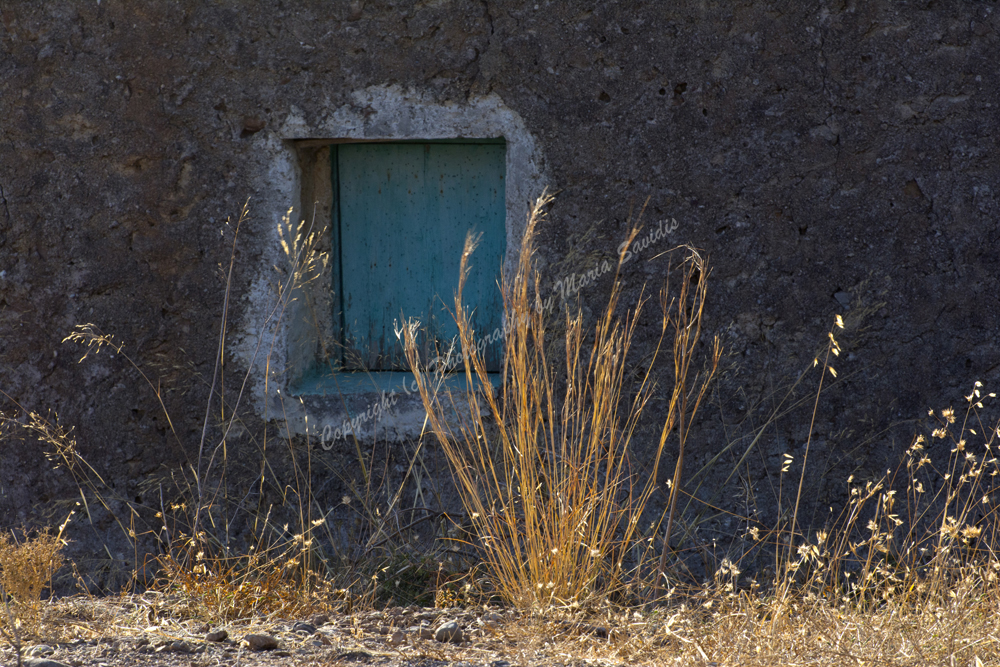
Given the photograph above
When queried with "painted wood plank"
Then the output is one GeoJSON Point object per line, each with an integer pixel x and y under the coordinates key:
{"type": "Point", "coordinates": [404, 213]}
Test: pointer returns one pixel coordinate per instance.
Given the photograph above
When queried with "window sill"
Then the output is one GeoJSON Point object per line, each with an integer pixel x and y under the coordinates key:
{"type": "Point", "coordinates": [381, 382]}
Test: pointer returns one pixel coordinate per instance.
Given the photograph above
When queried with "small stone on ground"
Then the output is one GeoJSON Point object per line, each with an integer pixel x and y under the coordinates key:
{"type": "Point", "coordinates": [449, 632]}
{"type": "Point", "coordinates": [261, 642]}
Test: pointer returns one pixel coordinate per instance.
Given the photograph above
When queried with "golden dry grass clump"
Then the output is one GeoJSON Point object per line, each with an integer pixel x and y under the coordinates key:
{"type": "Point", "coordinates": [546, 466]}
{"type": "Point", "coordinates": [26, 570]}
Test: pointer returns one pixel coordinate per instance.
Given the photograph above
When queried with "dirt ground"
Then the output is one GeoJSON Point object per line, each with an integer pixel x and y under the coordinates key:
{"type": "Point", "coordinates": [119, 633]}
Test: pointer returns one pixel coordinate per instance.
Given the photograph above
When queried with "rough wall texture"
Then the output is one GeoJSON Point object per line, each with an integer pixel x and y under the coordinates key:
{"type": "Point", "coordinates": [830, 157]}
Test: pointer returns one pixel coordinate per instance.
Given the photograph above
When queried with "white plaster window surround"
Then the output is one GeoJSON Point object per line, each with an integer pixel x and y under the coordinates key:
{"type": "Point", "coordinates": [289, 173]}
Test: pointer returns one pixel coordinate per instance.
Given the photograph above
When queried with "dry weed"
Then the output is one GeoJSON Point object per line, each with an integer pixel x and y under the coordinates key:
{"type": "Point", "coordinates": [545, 466]}
{"type": "Point", "coordinates": [27, 566]}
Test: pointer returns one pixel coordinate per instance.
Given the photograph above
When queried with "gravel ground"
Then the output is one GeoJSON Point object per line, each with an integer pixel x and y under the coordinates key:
{"type": "Point", "coordinates": [108, 636]}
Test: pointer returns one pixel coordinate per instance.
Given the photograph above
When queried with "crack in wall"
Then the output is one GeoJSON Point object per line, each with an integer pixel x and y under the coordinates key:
{"type": "Point", "coordinates": [489, 21]}
{"type": "Point", "coordinates": [6, 206]}
{"type": "Point", "coordinates": [478, 60]}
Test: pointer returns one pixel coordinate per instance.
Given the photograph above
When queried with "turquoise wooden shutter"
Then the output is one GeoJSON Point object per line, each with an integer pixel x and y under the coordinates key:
{"type": "Point", "coordinates": [404, 210]}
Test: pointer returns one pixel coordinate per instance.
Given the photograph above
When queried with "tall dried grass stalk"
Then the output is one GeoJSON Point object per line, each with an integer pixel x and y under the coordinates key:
{"type": "Point", "coordinates": [546, 466]}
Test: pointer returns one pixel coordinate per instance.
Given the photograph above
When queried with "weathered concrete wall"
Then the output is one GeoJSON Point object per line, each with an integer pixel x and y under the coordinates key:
{"type": "Point", "coordinates": [830, 157]}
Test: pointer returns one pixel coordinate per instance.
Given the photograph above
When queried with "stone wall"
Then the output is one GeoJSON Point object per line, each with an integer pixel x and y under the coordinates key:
{"type": "Point", "coordinates": [829, 157]}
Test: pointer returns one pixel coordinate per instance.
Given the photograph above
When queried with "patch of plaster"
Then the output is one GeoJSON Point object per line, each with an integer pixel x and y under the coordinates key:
{"type": "Point", "coordinates": [380, 113]}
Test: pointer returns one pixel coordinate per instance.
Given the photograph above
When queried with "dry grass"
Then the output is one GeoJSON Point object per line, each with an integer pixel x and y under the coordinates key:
{"type": "Point", "coordinates": [289, 558]}
{"type": "Point", "coordinates": [544, 470]}
{"type": "Point", "coordinates": [246, 586]}
{"type": "Point", "coordinates": [272, 567]}
{"type": "Point", "coordinates": [735, 631]}
{"type": "Point", "coordinates": [546, 467]}
{"type": "Point", "coordinates": [907, 574]}
{"type": "Point", "coordinates": [27, 566]}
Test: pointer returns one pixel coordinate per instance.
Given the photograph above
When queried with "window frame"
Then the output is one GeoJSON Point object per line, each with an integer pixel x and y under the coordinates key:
{"type": "Point", "coordinates": [312, 366]}
{"type": "Point", "coordinates": [272, 337]}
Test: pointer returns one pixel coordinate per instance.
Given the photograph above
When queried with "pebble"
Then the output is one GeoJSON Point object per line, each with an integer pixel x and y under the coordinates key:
{"type": "Point", "coordinates": [180, 647]}
{"type": "Point", "coordinates": [217, 636]}
{"type": "Point", "coordinates": [422, 631]}
{"type": "Point", "coordinates": [320, 620]}
{"type": "Point", "coordinates": [449, 632]}
{"type": "Point", "coordinates": [261, 642]}
{"type": "Point", "coordinates": [304, 628]}
{"type": "Point", "coordinates": [397, 638]}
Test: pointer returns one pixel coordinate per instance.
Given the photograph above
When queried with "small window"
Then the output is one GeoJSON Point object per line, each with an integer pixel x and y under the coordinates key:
{"type": "Point", "coordinates": [400, 213]}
